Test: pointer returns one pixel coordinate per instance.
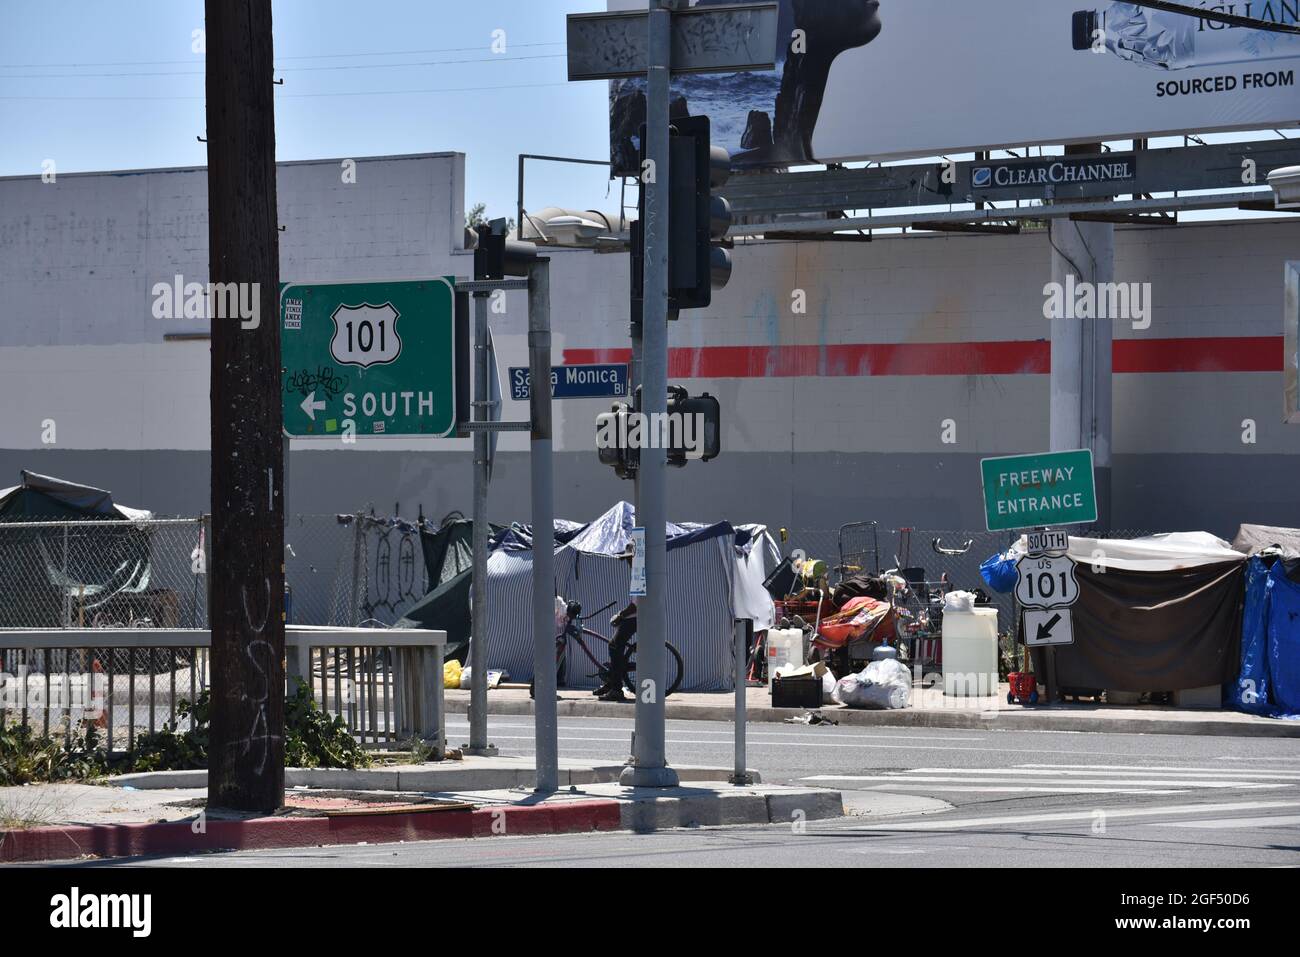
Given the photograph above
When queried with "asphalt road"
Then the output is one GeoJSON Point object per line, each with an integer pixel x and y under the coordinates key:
{"type": "Point", "coordinates": [920, 798]}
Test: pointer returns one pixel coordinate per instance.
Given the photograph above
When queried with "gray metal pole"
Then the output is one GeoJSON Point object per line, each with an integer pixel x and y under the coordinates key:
{"type": "Point", "coordinates": [650, 765]}
{"type": "Point", "coordinates": [478, 742]}
{"type": "Point", "coordinates": [633, 381]}
{"type": "Point", "coordinates": [744, 637]}
{"type": "Point", "coordinates": [545, 722]}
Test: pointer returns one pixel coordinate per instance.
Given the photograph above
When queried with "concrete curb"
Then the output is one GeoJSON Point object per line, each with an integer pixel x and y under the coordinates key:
{"type": "Point", "coordinates": [135, 840]}
{"type": "Point", "coordinates": [1028, 720]}
{"type": "Point", "coordinates": [681, 807]}
{"type": "Point", "coordinates": [445, 776]}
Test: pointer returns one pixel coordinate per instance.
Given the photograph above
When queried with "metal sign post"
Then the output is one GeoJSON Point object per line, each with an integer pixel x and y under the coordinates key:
{"type": "Point", "coordinates": [480, 427]}
{"type": "Point", "coordinates": [546, 719]}
{"type": "Point", "coordinates": [700, 39]}
{"type": "Point", "coordinates": [1046, 588]}
{"type": "Point", "coordinates": [650, 762]}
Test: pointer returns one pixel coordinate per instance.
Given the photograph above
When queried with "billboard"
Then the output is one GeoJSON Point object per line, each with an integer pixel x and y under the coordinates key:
{"type": "Point", "coordinates": [886, 79]}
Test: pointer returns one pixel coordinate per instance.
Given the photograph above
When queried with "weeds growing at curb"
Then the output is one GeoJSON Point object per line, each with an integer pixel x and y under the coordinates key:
{"type": "Point", "coordinates": [30, 758]}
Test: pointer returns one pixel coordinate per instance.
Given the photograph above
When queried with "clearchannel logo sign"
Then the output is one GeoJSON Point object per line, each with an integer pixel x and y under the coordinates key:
{"type": "Point", "coordinates": [1054, 173]}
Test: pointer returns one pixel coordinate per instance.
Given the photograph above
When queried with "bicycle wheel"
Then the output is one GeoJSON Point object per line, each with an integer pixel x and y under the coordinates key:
{"type": "Point", "coordinates": [561, 666]}
{"type": "Point", "coordinates": [675, 666]}
{"type": "Point", "coordinates": [675, 669]}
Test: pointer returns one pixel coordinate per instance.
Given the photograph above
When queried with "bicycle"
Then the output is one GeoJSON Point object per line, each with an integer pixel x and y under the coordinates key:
{"type": "Point", "coordinates": [576, 632]}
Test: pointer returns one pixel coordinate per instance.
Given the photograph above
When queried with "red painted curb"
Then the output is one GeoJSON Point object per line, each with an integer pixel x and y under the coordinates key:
{"type": "Point", "coordinates": [134, 840]}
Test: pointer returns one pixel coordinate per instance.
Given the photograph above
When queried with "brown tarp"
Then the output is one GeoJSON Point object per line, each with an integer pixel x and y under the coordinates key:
{"type": "Point", "coordinates": [1253, 539]}
{"type": "Point", "coordinates": [1154, 631]}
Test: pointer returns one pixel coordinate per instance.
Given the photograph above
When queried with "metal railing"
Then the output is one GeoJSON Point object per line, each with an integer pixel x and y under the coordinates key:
{"type": "Point", "coordinates": [386, 685]}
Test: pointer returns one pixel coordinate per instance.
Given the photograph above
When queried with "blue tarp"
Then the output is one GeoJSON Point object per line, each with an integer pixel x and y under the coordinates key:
{"type": "Point", "coordinates": [1269, 683]}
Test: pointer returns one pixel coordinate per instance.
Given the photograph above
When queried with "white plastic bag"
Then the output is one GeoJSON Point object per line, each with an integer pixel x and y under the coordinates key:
{"type": "Point", "coordinates": [882, 685]}
{"type": "Point", "coordinates": [959, 601]}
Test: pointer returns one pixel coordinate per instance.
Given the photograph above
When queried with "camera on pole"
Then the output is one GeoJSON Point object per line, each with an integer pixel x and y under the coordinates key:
{"type": "Point", "coordinates": [698, 259]}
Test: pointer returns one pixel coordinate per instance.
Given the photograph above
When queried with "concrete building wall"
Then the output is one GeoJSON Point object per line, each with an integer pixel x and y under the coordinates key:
{"type": "Point", "coordinates": [837, 413]}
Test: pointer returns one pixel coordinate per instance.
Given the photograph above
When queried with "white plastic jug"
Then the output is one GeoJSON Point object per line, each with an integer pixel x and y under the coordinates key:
{"type": "Point", "coordinates": [784, 651]}
{"type": "Point", "coordinates": [970, 652]}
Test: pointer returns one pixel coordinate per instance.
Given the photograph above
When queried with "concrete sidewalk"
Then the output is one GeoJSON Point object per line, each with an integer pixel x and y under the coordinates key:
{"type": "Point", "coordinates": [930, 709]}
{"type": "Point", "coordinates": [163, 813]}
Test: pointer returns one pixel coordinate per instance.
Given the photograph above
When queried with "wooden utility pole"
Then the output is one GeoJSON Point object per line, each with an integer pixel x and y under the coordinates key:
{"type": "Point", "coordinates": [246, 612]}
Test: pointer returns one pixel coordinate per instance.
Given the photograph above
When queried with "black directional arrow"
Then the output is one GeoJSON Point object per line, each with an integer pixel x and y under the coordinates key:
{"type": "Point", "coordinates": [1045, 630]}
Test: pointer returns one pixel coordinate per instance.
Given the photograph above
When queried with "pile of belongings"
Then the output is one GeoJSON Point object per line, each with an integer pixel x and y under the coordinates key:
{"type": "Point", "coordinates": [860, 617]}
{"type": "Point", "coordinates": [883, 685]}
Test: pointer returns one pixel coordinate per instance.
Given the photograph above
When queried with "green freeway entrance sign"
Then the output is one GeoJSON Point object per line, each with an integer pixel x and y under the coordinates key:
{"type": "Point", "coordinates": [1029, 491]}
{"type": "Point", "coordinates": [369, 358]}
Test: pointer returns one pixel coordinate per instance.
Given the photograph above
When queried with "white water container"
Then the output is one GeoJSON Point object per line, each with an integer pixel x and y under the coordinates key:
{"type": "Point", "coordinates": [970, 652]}
{"type": "Point", "coordinates": [784, 651]}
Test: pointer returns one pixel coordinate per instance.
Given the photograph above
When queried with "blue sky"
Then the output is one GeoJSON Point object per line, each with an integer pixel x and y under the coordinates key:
{"type": "Point", "coordinates": [63, 95]}
{"type": "Point", "coordinates": [115, 84]}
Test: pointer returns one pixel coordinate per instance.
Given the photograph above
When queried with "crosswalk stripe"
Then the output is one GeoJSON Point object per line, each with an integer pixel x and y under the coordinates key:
{"type": "Point", "coordinates": [913, 777]}
{"type": "Point", "coordinates": [1128, 768]}
{"type": "Point", "coordinates": [1057, 817]}
{"type": "Point", "coordinates": [1239, 822]}
{"type": "Point", "coordinates": [972, 789]}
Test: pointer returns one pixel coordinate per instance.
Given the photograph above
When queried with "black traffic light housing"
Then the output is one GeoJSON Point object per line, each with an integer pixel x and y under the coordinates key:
{"type": "Point", "coordinates": [698, 262]}
{"type": "Point", "coordinates": [626, 461]}
{"type": "Point", "coordinates": [495, 256]}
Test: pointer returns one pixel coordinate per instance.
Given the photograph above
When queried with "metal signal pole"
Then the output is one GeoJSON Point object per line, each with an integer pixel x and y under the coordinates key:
{"type": "Point", "coordinates": [650, 765]}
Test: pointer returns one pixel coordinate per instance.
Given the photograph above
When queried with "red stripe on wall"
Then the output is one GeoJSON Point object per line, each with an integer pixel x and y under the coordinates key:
{"type": "Point", "coordinates": [1228, 354]}
{"type": "Point", "coordinates": [1247, 354]}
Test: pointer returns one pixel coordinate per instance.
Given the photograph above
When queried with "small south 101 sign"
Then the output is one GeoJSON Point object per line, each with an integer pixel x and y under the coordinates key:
{"type": "Point", "coordinates": [1046, 581]}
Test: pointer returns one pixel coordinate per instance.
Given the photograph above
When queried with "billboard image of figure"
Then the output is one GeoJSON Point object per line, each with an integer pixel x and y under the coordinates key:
{"type": "Point", "coordinates": [894, 79]}
{"type": "Point", "coordinates": [763, 119]}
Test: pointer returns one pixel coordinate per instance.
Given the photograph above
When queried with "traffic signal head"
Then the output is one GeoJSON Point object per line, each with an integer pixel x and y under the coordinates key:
{"type": "Point", "coordinates": [496, 256]}
{"type": "Point", "coordinates": [698, 220]}
{"type": "Point", "coordinates": [696, 426]}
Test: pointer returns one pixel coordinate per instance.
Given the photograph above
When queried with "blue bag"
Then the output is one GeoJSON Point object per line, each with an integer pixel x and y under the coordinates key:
{"type": "Point", "coordinates": [999, 572]}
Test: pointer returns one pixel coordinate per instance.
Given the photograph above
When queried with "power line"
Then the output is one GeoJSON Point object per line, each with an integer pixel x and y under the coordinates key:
{"type": "Point", "coordinates": [311, 56]}
{"type": "Point", "coordinates": [457, 89]}
{"type": "Point", "coordinates": [292, 69]}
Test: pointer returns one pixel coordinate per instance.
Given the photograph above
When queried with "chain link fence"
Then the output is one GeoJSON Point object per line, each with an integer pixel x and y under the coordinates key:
{"type": "Point", "coordinates": [80, 591]}
{"type": "Point", "coordinates": [344, 570]}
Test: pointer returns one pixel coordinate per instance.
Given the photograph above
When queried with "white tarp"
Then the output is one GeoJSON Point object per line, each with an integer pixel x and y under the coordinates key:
{"type": "Point", "coordinates": [1155, 553]}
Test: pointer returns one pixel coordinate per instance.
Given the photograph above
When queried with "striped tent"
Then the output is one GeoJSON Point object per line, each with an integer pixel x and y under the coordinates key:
{"type": "Point", "coordinates": [715, 575]}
